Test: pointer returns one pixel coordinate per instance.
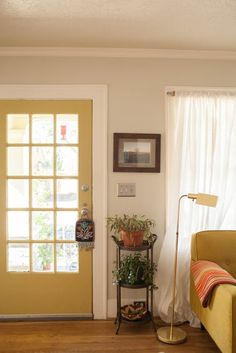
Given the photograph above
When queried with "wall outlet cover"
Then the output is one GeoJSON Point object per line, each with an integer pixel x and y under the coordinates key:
{"type": "Point", "coordinates": [126, 189]}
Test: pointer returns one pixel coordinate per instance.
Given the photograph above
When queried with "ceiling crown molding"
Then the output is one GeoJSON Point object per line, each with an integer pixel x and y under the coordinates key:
{"type": "Point", "coordinates": [117, 53]}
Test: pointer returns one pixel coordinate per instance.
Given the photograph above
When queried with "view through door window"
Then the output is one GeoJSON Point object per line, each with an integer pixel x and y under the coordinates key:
{"type": "Point", "coordinates": [42, 192]}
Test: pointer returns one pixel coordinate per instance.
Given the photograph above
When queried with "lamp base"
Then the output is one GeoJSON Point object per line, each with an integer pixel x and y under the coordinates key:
{"type": "Point", "coordinates": [171, 336]}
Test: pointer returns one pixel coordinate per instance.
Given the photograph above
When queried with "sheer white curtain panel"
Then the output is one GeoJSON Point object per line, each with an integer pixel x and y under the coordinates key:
{"type": "Point", "coordinates": [201, 157]}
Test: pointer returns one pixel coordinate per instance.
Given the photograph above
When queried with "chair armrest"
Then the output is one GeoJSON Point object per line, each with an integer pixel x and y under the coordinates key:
{"type": "Point", "coordinates": [220, 316]}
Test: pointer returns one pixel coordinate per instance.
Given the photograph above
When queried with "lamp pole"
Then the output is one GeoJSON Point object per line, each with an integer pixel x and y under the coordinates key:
{"type": "Point", "coordinates": [172, 334]}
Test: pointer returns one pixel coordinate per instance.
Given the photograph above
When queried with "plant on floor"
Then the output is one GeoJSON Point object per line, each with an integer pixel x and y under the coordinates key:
{"type": "Point", "coordinates": [45, 255]}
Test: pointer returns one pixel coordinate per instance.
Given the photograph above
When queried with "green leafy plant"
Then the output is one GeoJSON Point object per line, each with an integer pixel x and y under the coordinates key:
{"type": "Point", "coordinates": [131, 224]}
{"type": "Point", "coordinates": [45, 254]}
{"type": "Point", "coordinates": [135, 269]}
{"type": "Point", "coordinates": [42, 225]}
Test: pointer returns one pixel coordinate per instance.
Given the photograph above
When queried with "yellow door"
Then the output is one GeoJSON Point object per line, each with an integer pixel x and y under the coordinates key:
{"type": "Point", "coordinates": [45, 159]}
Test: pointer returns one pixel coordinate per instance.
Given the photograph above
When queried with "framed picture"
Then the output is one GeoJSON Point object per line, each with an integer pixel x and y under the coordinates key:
{"type": "Point", "coordinates": [137, 153]}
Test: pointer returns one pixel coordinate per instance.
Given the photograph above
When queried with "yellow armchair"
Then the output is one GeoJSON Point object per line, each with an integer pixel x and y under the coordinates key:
{"type": "Point", "coordinates": [219, 318]}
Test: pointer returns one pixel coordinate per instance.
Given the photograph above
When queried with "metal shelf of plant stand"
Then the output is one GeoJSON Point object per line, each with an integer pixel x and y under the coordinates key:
{"type": "Point", "coordinates": [133, 286]}
{"type": "Point", "coordinates": [146, 246]}
{"type": "Point", "coordinates": [146, 318]}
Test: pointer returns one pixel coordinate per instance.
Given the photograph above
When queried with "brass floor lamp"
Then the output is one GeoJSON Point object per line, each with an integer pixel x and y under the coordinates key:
{"type": "Point", "coordinates": [172, 334]}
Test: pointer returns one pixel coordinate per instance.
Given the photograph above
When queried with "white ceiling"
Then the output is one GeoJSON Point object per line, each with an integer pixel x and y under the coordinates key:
{"type": "Point", "coordinates": [150, 24]}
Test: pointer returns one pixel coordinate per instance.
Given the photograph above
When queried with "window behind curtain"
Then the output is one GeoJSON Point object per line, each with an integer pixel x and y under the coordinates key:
{"type": "Point", "coordinates": [201, 157]}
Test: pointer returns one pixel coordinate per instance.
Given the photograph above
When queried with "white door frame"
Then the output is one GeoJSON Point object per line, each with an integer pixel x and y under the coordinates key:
{"type": "Point", "coordinates": [98, 94]}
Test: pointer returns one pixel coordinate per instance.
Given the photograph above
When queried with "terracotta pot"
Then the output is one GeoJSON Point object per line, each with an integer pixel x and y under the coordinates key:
{"type": "Point", "coordinates": [46, 267]}
{"type": "Point", "coordinates": [132, 239]}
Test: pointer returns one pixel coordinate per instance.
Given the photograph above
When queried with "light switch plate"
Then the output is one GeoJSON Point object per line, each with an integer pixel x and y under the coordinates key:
{"type": "Point", "coordinates": [126, 189]}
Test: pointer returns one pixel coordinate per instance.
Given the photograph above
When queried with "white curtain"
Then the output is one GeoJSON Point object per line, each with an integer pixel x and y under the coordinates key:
{"type": "Point", "coordinates": [201, 157]}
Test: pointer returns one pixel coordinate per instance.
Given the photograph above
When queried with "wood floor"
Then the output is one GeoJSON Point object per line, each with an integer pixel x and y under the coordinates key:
{"type": "Point", "coordinates": [94, 336]}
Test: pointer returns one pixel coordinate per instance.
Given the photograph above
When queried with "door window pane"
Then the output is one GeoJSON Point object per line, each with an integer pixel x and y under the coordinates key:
{"type": "Point", "coordinates": [67, 193]}
{"type": "Point", "coordinates": [43, 257]}
{"type": "Point", "coordinates": [18, 225]}
{"type": "Point", "coordinates": [67, 161]}
{"type": "Point", "coordinates": [42, 161]}
{"type": "Point", "coordinates": [42, 225]}
{"type": "Point", "coordinates": [17, 161]}
{"type": "Point", "coordinates": [18, 257]}
{"type": "Point", "coordinates": [42, 193]}
{"type": "Point", "coordinates": [18, 193]}
{"type": "Point", "coordinates": [66, 225]}
{"type": "Point", "coordinates": [67, 128]}
{"type": "Point", "coordinates": [42, 128]}
{"type": "Point", "coordinates": [67, 258]}
{"type": "Point", "coordinates": [17, 128]}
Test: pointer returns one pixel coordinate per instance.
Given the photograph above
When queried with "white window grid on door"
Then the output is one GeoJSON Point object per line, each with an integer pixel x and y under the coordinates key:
{"type": "Point", "coordinates": [54, 178]}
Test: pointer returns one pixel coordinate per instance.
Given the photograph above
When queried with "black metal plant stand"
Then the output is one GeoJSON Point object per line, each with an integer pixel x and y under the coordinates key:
{"type": "Point", "coordinates": [148, 247]}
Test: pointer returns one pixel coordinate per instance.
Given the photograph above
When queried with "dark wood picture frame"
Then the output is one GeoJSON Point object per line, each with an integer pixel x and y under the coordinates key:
{"type": "Point", "coordinates": [136, 153]}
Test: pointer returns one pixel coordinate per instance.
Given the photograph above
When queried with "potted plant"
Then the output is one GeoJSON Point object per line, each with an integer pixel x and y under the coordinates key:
{"type": "Point", "coordinates": [131, 229]}
{"type": "Point", "coordinates": [135, 269]}
{"type": "Point", "coordinates": [45, 256]}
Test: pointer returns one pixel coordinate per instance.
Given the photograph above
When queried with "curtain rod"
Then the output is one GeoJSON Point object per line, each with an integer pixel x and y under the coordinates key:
{"type": "Point", "coordinates": [231, 90]}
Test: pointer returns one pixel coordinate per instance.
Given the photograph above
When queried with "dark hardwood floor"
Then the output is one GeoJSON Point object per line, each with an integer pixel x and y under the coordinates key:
{"type": "Point", "coordinates": [94, 336]}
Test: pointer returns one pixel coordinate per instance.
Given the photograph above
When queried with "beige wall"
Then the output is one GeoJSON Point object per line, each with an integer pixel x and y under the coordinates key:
{"type": "Point", "coordinates": [135, 104]}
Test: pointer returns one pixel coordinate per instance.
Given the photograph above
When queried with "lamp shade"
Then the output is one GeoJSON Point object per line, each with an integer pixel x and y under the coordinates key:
{"type": "Point", "coordinates": [204, 199]}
